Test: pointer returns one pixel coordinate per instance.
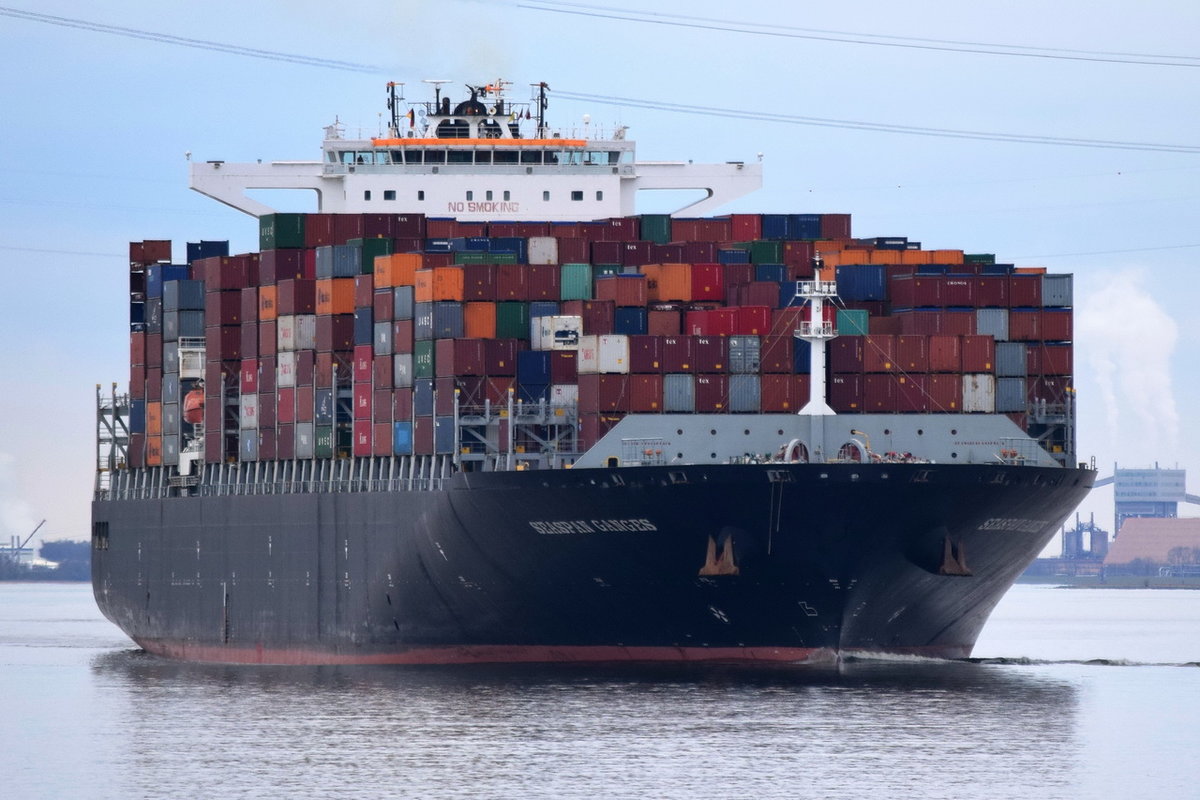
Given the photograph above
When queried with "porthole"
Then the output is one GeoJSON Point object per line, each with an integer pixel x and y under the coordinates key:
{"type": "Point", "coordinates": [746, 432]}
{"type": "Point", "coordinates": [954, 431]}
{"type": "Point", "coordinates": [887, 431]}
{"type": "Point", "coordinates": [920, 432]}
{"type": "Point", "coordinates": [712, 455]}
{"type": "Point", "coordinates": [954, 455]}
{"type": "Point", "coordinates": [679, 431]}
{"type": "Point", "coordinates": [713, 432]}
{"type": "Point", "coordinates": [679, 455]}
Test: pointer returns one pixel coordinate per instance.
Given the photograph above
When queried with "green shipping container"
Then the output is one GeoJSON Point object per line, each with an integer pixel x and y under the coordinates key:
{"type": "Point", "coordinates": [423, 359]}
{"type": "Point", "coordinates": [852, 322]}
{"type": "Point", "coordinates": [471, 257]}
{"type": "Point", "coordinates": [766, 252]}
{"type": "Point", "coordinates": [979, 258]}
{"type": "Point", "coordinates": [278, 231]}
{"type": "Point", "coordinates": [323, 441]}
{"type": "Point", "coordinates": [370, 248]}
{"type": "Point", "coordinates": [576, 282]}
{"type": "Point", "coordinates": [656, 228]}
{"type": "Point", "coordinates": [512, 320]}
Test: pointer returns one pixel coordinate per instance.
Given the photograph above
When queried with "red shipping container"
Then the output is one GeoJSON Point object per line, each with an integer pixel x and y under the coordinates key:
{"type": "Point", "coordinates": [778, 393]}
{"type": "Point", "coordinates": [511, 282]}
{"type": "Point", "coordinates": [645, 354]}
{"type": "Point", "coordinates": [335, 333]}
{"type": "Point", "coordinates": [1024, 325]}
{"type": "Point", "coordinates": [345, 228]}
{"type": "Point", "coordinates": [712, 354]}
{"type": "Point", "coordinates": [154, 345]}
{"type": "Point", "coordinates": [878, 353]}
{"type": "Point", "coordinates": [458, 357]}
{"type": "Point", "coordinates": [845, 392]}
{"type": "Point", "coordinates": [409, 225]}
{"type": "Point", "coordinates": [402, 405]}
{"type": "Point", "coordinates": [496, 390]}
{"type": "Point", "coordinates": [423, 435]}
{"type": "Point", "coordinates": [912, 353]}
{"type": "Point", "coordinates": [663, 323]}
{"type": "Point", "coordinates": [267, 338]}
{"type": "Point", "coordinates": [945, 353]}
{"type": "Point", "coordinates": [708, 282]}
{"type": "Point", "coordinates": [712, 394]}
{"type": "Point", "coordinates": [776, 354]}
{"type": "Point", "coordinates": [285, 443]}
{"type": "Point", "coordinates": [606, 252]}
{"type": "Point", "coordinates": [318, 230]}
{"type": "Point", "coordinates": [912, 393]}
{"type": "Point", "coordinates": [381, 442]}
{"type": "Point", "coordinates": [364, 291]}
{"type": "Point", "coordinates": [573, 250]}
{"type": "Point", "coordinates": [634, 254]}
{"type": "Point", "coordinates": [137, 348]}
{"type": "Point", "coordinates": [564, 366]}
{"type": "Point", "coordinates": [378, 226]}
{"type": "Point", "coordinates": [362, 400]}
{"type": "Point", "coordinates": [382, 405]}
{"type": "Point", "coordinates": [266, 410]}
{"type": "Point", "coordinates": [991, 291]}
{"type": "Point", "coordinates": [603, 393]}
{"type": "Point", "coordinates": [978, 353]}
{"type": "Point", "coordinates": [285, 406]}
{"type": "Point", "coordinates": [296, 297]}
{"type": "Point", "coordinates": [383, 305]}
{"type": "Point", "coordinates": [745, 227]}
{"type": "Point", "coordinates": [304, 403]}
{"type": "Point", "coordinates": [762, 293]}
{"type": "Point", "coordinates": [846, 354]}
{"type": "Point", "coordinates": [363, 432]}
{"type": "Point", "coordinates": [268, 449]}
{"type": "Point", "coordinates": [915, 291]}
{"type": "Point", "coordinates": [598, 315]}
{"type": "Point", "coordinates": [383, 372]}
{"type": "Point", "coordinates": [666, 254]}
{"type": "Point", "coordinates": [137, 381]}
{"type": "Point", "coordinates": [543, 281]}
{"type": "Point", "coordinates": [479, 282]}
{"type": "Point", "coordinates": [280, 265]}
{"type": "Point", "coordinates": [593, 427]}
{"type": "Point", "coordinates": [1024, 291]}
{"type": "Point", "coordinates": [753, 320]}
{"type": "Point", "coordinates": [622, 290]}
{"type": "Point", "coordinates": [364, 363]}
{"type": "Point", "coordinates": [737, 274]}
{"type": "Point", "coordinates": [223, 342]}
{"type": "Point", "coordinates": [945, 393]}
{"type": "Point", "coordinates": [1052, 389]}
{"type": "Point", "coordinates": [711, 322]}
{"type": "Point", "coordinates": [1056, 325]}
{"type": "Point", "coordinates": [958, 290]}
{"type": "Point", "coordinates": [1049, 359]}
{"type": "Point", "coordinates": [700, 253]}
{"type": "Point", "coordinates": [500, 357]}
{"type": "Point", "coordinates": [248, 302]}
{"type": "Point", "coordinates": [879, 394]}
{"type": "Point", "coordinates": [249, 376]}
{"type": "Point", "coordinates": [646, 393]}
{"type": "Point", "coordinates": [267, 374]}
{"type": "Point", "coordinates": [402, 336]}
{"type": "Point", "coordinates": [679, 354]}
{"type": "Point", "coordinates": [835, 226]}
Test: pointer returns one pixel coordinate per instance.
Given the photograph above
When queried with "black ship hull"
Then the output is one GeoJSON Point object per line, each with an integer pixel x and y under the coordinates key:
{"type": "Point", "coordinates": [766, 562]}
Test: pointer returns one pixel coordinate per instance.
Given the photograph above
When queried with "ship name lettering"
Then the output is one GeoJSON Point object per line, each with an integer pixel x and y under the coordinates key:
{"type": "Point", "coordinates": [566, 526]}
{"type": "Point", "coordinates": [1021, 525]}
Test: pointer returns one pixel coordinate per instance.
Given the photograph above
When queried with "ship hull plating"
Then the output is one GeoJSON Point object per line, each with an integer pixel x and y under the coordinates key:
{"type": "Point", "coordinates": [727, 563]}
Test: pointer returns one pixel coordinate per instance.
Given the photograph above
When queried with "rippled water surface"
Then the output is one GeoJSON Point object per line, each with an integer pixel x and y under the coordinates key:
{"type": "Point", "coordinates": [1075, 694]}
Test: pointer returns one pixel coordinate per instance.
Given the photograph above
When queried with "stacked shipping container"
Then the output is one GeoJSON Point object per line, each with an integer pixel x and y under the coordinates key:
{"type": "Point", "coordinates": [366, 334]}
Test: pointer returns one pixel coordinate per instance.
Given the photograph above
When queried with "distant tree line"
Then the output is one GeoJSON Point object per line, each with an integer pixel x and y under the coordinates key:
{"type": "Point", "coordinates": [74, 561]}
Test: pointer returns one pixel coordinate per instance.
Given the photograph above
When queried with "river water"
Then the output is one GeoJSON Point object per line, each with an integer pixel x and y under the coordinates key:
{"type": "Point", "coordinates": [1076, 693]}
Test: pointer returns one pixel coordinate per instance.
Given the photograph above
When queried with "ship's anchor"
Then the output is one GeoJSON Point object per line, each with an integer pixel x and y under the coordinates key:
{"type": "Point", "coordinates": [954, 558]}
{"type": "Point", "coordinates": [722, 565]}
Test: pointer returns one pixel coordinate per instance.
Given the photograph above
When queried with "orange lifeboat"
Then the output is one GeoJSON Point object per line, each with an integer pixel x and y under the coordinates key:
{"type": "Point", "coordinates": [193, 406]}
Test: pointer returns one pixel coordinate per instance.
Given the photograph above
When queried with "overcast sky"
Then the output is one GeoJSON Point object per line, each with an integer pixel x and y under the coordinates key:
{"type": "Point", "coordinates": [96, 126]}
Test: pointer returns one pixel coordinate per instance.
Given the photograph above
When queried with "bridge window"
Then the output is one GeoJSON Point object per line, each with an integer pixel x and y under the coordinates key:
{"type": "Point", "coordinates": [389, 194]}
{"type": "Point", "coordinates": [483, 156]}
{"type": "Point", "coordinates": [347, 156]}
{"type": "Point", "coordinates": [545, 195]}
{"type": "Point", "coordinates": [367, 194]}
{"type": "Point", "coordinates": [435, 156]}
{"type": "Point", "coordinates": [412, 157]}
{"type": "Point", "coordinates": [470, 195]}
{"type": "Point", "coordinates": [507, 194]}
{"type": "Point", "coordinates": [420, 195]}
{"type": "Point", "coordinates": [487, 195]}
{"type": "Point", "coordinates": [459, 156]}
{"type": "Point", "coordinates": [505, 157]}
{"type": "Point", "coordinates": [531, 156]}
{"type": "Point", "coordinates": [576, 195]}
{"type": "Point", "coordinates": [397, 156]}
{"type": "Point", "coordinates": [599, 195]}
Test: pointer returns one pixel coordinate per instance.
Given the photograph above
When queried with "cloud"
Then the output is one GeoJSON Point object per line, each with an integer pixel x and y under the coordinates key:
{"type": "Point", "coordinates": [1128, 340]}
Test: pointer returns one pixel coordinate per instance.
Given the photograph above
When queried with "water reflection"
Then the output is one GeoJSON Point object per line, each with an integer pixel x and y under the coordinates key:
{"type": "Point", "coordinates": [885, 728]}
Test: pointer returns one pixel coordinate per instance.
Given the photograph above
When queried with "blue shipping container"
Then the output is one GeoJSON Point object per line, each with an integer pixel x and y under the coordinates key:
{"type": "Point", "coordinates": [402, 438]}
{"type": "Point", "coordinates": [533, 367]}
{"type": "Point", "coordinates": [158, 274]}
{"type": "Point", "coordinates": [770, 272]}
{"type": "Point", "coordinates": [733, 256]}
{"type": "Point", "coordinates": [364, 326]}
{"type": "Point", "coordinates": [630, 321]}
{"type": "Point", "coordinates": [775, 226]}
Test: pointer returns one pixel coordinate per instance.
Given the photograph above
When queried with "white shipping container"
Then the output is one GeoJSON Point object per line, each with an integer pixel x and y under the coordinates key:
{"type": "Point", "coordinates": [285, 370]}
{"type": "Point", "coordinates": [979, 393]}
{"type": "Point", "coordinates": [564, 394]}
{"type": "Point", "coordinates": [402, 370]}
{"type": "Point", "coordinates": [555, 333]}
{"type": "Point", "coordinates": [306, 332]}
{"type": "Point", "coordinates": [614, 353]}
{"type": "Point", "coordinates": [543, 250]}
{"type": "Point", "coordinates": [285, 333]}
{"type": "Point", "coordinates": [248, 412]}
{"type": "Point", "coordinates": [588, 360]}
{"type": "Point", "coordinates": [304, 440]}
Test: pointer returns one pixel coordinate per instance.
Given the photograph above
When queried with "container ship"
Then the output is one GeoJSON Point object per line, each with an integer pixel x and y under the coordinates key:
{"type": "Point", "coordinates": [477, 409]}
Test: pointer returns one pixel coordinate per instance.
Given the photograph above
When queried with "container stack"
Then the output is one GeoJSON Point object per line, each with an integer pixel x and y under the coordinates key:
{"type": "Point", "coordinates": [368, 334]}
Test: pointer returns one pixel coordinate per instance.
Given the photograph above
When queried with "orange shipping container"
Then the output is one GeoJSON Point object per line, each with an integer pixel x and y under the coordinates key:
{"type": "Point", "coordinates": [335, 296]}
{"type": "Point", "coordinates": [153, 451]}
{"type": "Point", "coordinates": [267, 300]}
{"type": "Point", "coordinates": [668, 283]}
{"type": "Point", "coordinates": [439, 283]}
{"type": "Point", "coordinates": [946, 257]}
{"type": "Point", "coordinates": [479, 320]}
{"type": "Point", "coordinates": [398, 269]}
{"type": "Point", "coordinates": [153, 418]}
{"type": "Point", "coordinates": [887, 256]}
{"type": "Point", "coordinates": [916, 257]}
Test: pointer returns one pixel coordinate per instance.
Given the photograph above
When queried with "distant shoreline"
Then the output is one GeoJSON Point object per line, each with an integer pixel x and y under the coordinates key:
{"type": "Point", "coordinates": [1112, 582]}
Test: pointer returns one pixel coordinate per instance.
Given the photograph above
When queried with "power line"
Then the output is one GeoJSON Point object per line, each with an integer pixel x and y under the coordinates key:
{"type": "Point", "coordinates": [1109, 252]}
{"type": "Point", "coordinates": [846, 37]}
{"type": "Point", "coordinates": [949, 133]}
{"type": "Point", "coordinates": [183, 41]}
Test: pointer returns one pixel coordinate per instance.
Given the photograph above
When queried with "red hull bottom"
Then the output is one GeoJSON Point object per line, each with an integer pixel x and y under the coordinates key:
{"type": "Point", "coordinates": [531, 654]}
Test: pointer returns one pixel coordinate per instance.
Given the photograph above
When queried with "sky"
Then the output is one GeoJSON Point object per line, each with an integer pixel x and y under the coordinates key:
{"type": "Point", "coordinates": [97, 125]}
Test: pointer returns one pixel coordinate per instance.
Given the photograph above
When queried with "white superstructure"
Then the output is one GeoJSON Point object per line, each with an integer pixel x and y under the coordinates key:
{"type": "Point", "coordinates": [482, 159]}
